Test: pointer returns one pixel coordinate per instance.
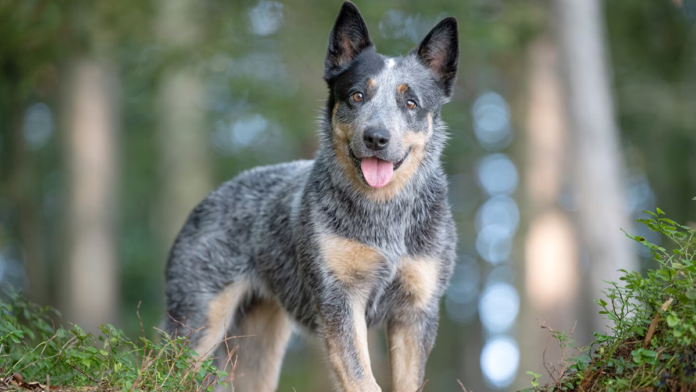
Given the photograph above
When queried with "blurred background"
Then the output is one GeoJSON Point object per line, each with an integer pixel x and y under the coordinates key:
{"type": "Point", "coordinates": [570, 117]}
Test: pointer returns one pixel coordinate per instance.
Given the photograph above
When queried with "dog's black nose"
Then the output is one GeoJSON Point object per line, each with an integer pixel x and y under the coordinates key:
{"type": "Point", "coordinates": [376, 138]}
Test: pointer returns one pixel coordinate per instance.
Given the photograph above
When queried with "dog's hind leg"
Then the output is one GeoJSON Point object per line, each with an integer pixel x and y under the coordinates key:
{"type": "Point", "coordinates": [264, 330]}
{"type": "Point", "coordinates": [202, 316]}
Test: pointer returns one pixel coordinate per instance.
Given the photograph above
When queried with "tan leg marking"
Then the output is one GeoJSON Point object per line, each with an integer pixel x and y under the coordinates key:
{"type": "Point", "coordinates": [220, 312]}
{"type": "Point", "coordinates": [337, 350]}
{"type": "Point", "coordinates": [350, 261]}
{"type": "Point", "coordinates": [405, 359]}
{"type": "Point", "coordinates": [419, 279]}
{"type": "Point", "coordinates": [361, 334]}
{"type": "Point", "coordinates": [268, 328]}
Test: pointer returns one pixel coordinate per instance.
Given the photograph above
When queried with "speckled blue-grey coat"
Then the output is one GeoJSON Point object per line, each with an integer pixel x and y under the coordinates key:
{"type": "Point", "coordinates": [361, 236]}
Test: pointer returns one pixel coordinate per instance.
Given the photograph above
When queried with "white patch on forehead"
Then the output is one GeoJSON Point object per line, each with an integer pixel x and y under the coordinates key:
{"type": "Point", "coordinates": [391, 63]}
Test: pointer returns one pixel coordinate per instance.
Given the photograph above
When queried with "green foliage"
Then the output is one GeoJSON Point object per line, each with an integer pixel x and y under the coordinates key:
{"type": "Point", "coordinates": [652, 342]}
{"type": "Point", "coordinates": [535, 379]}
{"type": "Point", "coordinates": [32, 347]}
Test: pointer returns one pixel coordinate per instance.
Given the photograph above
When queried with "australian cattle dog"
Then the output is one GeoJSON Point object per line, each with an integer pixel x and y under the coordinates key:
{"type": "Point", "coordinates": [360, 237]}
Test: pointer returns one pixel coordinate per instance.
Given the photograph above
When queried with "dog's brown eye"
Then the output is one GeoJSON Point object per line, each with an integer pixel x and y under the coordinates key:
{"type": "Point", "coordinates": [411, 104]}
{"type": "Point", "coordinates": [357, 97]}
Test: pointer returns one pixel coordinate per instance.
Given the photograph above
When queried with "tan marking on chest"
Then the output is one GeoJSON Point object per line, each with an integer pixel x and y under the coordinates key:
{"type": "Point", "coordinates": [350, 261]}
{"type": "Point", "coordinates": [419, 279]}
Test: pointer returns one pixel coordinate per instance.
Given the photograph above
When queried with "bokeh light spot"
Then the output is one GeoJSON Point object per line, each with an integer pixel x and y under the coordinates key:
{"type": "Point", "coordinates": [498, 307]}
{"type": "Point", "coordinates": [38, 125]}
{"type": "Point", "coordinates": [499, 361]}
{"type": "Point", "coordinates": [498, 175]}
{"type": "Point", "coordinates": [266, 18]}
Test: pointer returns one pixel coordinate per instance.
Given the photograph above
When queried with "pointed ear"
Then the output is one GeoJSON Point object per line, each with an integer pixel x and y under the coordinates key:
{"type": "Point", "coordinates": [439, 51]}
{"type": "Point", "coordinates": [348, 38]}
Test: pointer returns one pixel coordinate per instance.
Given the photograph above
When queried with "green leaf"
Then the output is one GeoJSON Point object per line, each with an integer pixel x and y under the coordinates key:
{"type": "Point", "coordinates": [691, 294]}
{"type": "Point", "coordinates": [673, 320]}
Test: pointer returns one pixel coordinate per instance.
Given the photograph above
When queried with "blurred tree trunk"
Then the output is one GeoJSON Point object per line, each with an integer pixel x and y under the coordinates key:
{"type": "Point", "coordinates": [182, 134]}
{"type": "Point", "coordinates": [552, 287]}
{"type": "Point", "coordinates": [91, 291]}
{"type": "Point", "coordinates": [595, 149]}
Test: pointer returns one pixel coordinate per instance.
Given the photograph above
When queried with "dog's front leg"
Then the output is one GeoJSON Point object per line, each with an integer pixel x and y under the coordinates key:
{"type": "Point", "coordinates": [410, 341]}
{"type": "Point", "coordinates": [345, 336]}
{"type": "Point", "coordinates": [412, 324]}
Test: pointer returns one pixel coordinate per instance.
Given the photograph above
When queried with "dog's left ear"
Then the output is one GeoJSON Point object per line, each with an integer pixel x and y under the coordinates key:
{"type": "Point", "coordinates": [348, 38]}
{"type": "Point", "coordinates": [439, 51]}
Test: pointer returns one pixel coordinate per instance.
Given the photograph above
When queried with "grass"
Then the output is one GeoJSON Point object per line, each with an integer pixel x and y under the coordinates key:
{"type": "Point", "coordinates": [37, 355]}
{"type": "Point", "coordinates": [651, 345]}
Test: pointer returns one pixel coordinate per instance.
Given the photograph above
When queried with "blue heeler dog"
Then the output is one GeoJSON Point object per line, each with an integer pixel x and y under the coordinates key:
{"type": "Point", "coordinates": [362, 236]}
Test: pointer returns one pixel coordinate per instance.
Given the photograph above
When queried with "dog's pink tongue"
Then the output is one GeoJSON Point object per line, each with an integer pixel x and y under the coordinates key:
{"type": "Point", "coordinates": [377, 172]}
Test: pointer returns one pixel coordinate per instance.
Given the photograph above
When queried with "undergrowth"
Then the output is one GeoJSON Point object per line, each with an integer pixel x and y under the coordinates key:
{"type": "Point", "coordinates": [652, 342]}
{"type": "Point", "coordinates": [651, 345]}
{"type": "Point", "coordinates": [35, 353]}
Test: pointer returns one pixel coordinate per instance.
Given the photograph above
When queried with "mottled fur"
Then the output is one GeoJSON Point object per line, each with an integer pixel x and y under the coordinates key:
{"type": "Point", "coordinates": [311, 244]}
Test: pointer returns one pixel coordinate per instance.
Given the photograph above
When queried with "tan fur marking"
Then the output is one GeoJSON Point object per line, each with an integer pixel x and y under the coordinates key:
{"type": "Point", "coordinates": [405, 358]}
{"type": "Point", "coordinates": [335, 109]}
{"type": "Point", "coordinates": [352, 263]}
{"type": "Point", "coordinates": [267, 329]}
{"type": "Point", "coordinates": [415, 140]}
{"type": "Point", "coordinates": [338, 362]}
{"type": "Point", "coordinates": [341, 139]}
{"type": "Point", "coordinates": [361, 334]}
{"type": "Point", "coordinates": [349, 260]}
{"type": "Point", "coordinates": [419, 278]}
{"type": "Point", "coordinates": [220, 312]}
{"type": "Point", "coordinates": [402, 88]}
{"type": "Point", "coordinates": [371, 83]}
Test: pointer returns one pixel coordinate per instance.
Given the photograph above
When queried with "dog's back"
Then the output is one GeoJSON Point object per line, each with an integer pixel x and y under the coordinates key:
{"type": "Point", "coordinates": [362, 236]}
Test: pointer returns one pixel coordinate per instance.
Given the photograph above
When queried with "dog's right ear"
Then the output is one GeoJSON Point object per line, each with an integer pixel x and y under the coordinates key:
{"type": "Point", "coordinates": [348, 38]}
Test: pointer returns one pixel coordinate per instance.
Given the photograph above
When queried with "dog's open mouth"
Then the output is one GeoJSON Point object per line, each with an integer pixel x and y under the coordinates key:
{"type": "Point", "coordinates": [376, 172]}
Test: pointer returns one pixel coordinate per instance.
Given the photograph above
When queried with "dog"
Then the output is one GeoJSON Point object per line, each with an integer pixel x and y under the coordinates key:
{"type": "Point", "coordinates": [360, 237]}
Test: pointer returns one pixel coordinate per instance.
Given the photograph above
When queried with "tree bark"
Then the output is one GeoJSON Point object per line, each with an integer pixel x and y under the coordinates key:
{"type": "Point", "coordinates": [182, 136]}
{"type": "Point", "coordinates": [597, 164]}
{"type": "Point", "coordinates": [91, 292]}
{"type": "Point", "coordinates": [552, 273]}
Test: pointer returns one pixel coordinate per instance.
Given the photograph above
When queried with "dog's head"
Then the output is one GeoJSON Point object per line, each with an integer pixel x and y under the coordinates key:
{"type": "Point", "coordinates": [382, 109]}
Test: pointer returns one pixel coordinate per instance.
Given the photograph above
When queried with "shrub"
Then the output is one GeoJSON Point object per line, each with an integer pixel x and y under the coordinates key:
{"type": "Point", "coordinates": [33, 352]}
{"type": "Point", "coordinates": [652, 342]}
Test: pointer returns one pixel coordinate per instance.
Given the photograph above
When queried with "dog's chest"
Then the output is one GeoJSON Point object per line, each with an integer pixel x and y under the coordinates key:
{"type": "Point", "coordinates": [381, 277]}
